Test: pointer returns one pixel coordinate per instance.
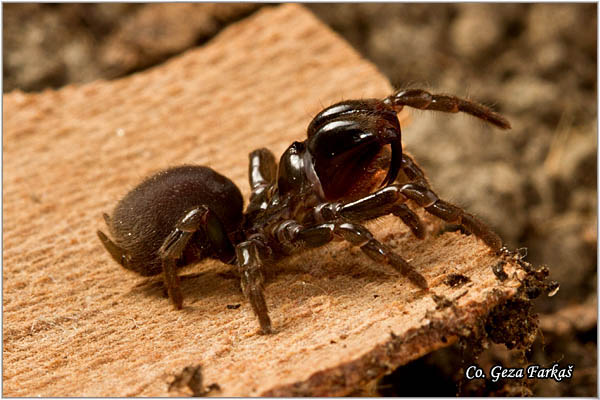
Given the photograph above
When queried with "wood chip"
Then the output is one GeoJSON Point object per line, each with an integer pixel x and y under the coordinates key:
{"type": "Point", "coordinates": [77, 324]}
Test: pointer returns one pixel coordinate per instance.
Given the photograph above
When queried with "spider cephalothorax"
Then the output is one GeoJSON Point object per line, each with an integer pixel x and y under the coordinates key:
{"type": "Point", "coordinates": [350, 169]}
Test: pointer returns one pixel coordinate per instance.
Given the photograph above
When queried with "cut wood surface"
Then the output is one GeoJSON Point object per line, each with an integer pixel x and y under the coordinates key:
{"type": "Point", "coordinates": [77, 324]}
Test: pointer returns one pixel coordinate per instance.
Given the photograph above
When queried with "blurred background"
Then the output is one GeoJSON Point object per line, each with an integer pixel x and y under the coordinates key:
{"type": "Point", "coordinates": [535, 184]}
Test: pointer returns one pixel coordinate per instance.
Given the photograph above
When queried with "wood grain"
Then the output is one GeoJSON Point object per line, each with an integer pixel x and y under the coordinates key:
{"type": "Point", "coordinates": [77, 324]}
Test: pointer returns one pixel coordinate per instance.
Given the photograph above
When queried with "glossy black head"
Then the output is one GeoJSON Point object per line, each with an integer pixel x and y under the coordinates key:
{"type": "Point", "coordinates": [349, 142]}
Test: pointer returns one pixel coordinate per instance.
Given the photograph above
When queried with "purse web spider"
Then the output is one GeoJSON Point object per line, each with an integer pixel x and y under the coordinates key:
{"type": "Point", "coordinates": [350, 169]}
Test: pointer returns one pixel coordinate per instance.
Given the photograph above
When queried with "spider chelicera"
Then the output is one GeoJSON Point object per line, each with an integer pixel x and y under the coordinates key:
{"type": "Point", "coordinates": [350, 169]}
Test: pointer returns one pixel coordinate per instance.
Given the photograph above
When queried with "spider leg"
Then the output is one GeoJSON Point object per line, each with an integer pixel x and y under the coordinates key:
{"type": "Point", "coordinates": [421, 194]}
{"type": "Point", "coordinates": [357, 235]}
{"type": "Point", "coordinates": [174, 245]}
{"type": "Point", "coordinates": [262, 173]}
{"type": "Point", "coordinates": [387, 200]}
{"type": "Point", "coordinates": [449, 212]}
{"type": "Point", "coordinates": [251, 255]}
{"type": "Point", "coordinates": [421, 99]}
{"type": "Point", "coordinates": [410, 219]}
{"type": "Point", "coordinates": [375, 205]}
{"type": "Point", "coordinates": [456, 215]}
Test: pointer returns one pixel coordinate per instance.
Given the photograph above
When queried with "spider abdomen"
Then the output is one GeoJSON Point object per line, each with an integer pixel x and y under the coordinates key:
{"type": "Point", "coordinates": [149, 213]}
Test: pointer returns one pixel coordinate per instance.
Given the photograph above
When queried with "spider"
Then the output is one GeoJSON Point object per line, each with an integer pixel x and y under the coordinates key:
{"type": "Point", "coordinates": [350, 169]}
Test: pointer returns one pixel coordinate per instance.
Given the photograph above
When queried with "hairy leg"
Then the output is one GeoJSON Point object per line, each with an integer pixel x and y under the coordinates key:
{"type": "Point", "coordinates": [290, 233]}
{"type": "Point", "coordinates": [250, 257]}
{"type": "Point", "coordinates": [421, 99]}
{"type": "Point", "coordinates": [386, 201]}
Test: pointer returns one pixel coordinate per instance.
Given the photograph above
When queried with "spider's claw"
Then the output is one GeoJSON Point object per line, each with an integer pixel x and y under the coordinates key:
{"type": "Point", "coordinates": [395, 164]}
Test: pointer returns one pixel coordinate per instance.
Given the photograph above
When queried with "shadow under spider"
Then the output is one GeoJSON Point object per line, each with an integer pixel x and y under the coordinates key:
{"type": "Point", "coordinates": [225, 283]}
{"type": "Point", "coordinates": [197, 285]}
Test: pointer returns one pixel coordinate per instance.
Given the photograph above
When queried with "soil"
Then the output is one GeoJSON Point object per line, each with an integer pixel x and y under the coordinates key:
{"type": "Point", "coordinates": [535, 184]}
